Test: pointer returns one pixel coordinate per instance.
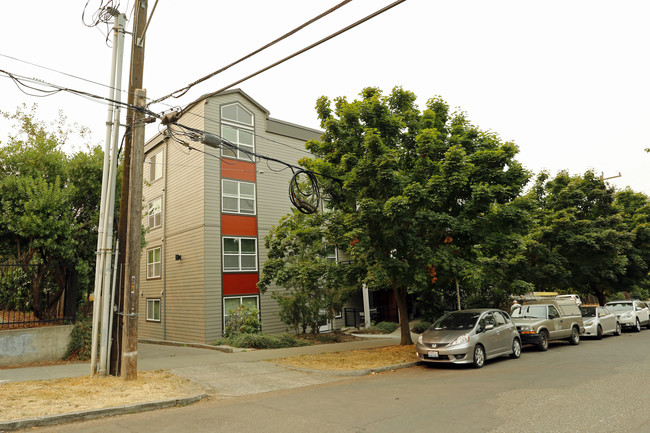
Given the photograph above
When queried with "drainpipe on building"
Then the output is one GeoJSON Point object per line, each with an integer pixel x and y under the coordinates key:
{"type": "Point", "coordinates": [164, 267]}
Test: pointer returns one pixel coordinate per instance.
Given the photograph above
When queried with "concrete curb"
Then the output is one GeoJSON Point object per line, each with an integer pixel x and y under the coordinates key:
{"type": "Point", "coordinates": [363, 372]}
{"type": "Point", "coordinates": [226, 349]}
{"type": "Point", "coordinates": [97, 413]}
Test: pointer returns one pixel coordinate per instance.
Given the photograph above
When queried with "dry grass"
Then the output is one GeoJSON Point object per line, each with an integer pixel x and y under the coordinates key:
{"type": "Point", "coordinates": [354, 359]}
{"type": "Point", "coordinates": [20, 400]}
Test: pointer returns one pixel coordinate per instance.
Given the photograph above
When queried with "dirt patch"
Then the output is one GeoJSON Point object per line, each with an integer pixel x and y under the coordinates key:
{"type": "Point", "coordinates": [354, 359]}
{"type": "Point", "coordinates": [20, 400]}
{"type": "Point", "coordinates": [328, 338]}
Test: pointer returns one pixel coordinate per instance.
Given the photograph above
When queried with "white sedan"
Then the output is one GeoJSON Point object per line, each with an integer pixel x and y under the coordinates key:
{"type": "Point", "coordinates": [600, 321]}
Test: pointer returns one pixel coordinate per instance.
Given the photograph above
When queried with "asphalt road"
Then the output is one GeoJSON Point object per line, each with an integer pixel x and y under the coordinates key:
{"type": "Point", "coordinates": [597, 386]}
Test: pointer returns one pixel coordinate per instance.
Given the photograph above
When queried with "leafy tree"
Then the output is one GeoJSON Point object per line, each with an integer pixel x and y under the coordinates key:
{"type": "Point", "coordinates": [49, 204]}
{"type": "Point", "coordinates": [579, 241]}
{"type": "Point", "coordinates": [420, 191]}
{"type": "Point", "coordinates": [316, 287]}
{"type": "Point", "coordinates": [634, 209]}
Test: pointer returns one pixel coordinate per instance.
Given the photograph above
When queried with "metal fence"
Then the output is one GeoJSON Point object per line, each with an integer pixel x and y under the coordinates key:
{"type": "Point", "coordinates": [355, 316]}
{"type": "Point", "coordinates": [26, 303]}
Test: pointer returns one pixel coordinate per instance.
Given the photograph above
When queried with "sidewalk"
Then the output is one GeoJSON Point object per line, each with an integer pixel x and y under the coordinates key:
{"type": "Point", "coordinates": [222, 374]}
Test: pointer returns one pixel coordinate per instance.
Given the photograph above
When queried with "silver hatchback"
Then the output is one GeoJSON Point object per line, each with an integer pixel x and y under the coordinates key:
{"type": "Point", "coordinates": [469, 336]}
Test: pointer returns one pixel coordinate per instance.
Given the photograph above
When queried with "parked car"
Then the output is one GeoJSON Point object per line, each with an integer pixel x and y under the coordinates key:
{"type": "Point", "coordinates": [539, 322]}
{"type": "Point", "coordinates": [631, 314]}
{"type": "Point", "coordinates": [469, 337]}
{"type": "Point", "coordinates": [600, 321]}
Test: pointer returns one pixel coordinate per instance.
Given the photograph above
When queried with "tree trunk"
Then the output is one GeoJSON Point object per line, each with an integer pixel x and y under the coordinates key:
{"type": "Point", "coordinates": [400, 295]}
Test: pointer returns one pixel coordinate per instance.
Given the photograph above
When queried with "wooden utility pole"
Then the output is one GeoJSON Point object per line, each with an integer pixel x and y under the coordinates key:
{"type": "Point", "coordinates": [136, 71]}
{"type": "Point", "coordinates": [129, 364]}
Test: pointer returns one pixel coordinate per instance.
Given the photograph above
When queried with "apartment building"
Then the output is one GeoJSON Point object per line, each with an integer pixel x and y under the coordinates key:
{"type": "Point", "coordinates": [207, 211]}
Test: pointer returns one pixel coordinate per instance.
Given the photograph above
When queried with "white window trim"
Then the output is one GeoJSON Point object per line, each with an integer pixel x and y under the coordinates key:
{"type": "Point", "coordinates": [238, 197]}
{"type": "Point", "coordinates": [239, 255]}
{"type": "Point", "coordinates": [239, 155]}
{"type": "Point", "coordinates": [226, 314]}
{"type": "Point", "coordinates": [237, 122]}
{"type": "Point", "coordinates": [150, 216]}
{"type": "Point", "coordinates": [153, 301]}
{"type": "Point", "coordinates": [152, 264]}
{"type": "Point", "coordinates": [152, 165]}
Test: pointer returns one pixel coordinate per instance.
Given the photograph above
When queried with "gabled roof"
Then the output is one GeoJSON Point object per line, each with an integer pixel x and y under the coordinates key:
{"type": "Point", "coordinates": [245, 95]}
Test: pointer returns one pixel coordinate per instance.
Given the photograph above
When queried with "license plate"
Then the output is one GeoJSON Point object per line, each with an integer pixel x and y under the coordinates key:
{"type": "Point", "coordinates": [432, 354]}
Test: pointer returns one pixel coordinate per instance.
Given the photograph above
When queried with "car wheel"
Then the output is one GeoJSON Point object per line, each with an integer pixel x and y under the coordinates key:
{"type": "Point", "coordinates": [599, 333]}
{"type": "Point", "coordinates": [543, 341]}
{"type": "Point", "coordinates": [618, 329]}
{"type": "Point", "coordinates": [479, 356]}
{"type": "Point", "coordinates": [575, 336]}
{"type": "Point", "coordinates": [637, 327]}
{"type": "Point", "coordinates": [648, 325]}
{"type": "Point", "coordinates": [516, 349]}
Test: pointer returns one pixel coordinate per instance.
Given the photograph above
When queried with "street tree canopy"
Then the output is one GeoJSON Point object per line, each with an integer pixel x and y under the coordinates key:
{"type": "Point", "coordinates": [302, 260]}
{"type": "Point", "coordinates": [419, 188]}
{"type": "Point", "coordinates": [579, 241]}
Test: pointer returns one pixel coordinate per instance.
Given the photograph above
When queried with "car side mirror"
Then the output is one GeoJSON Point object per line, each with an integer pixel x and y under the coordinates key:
{"type": "Point", "coordinates": [551, 316]}
{"type": "Point", "coordinates": [488, 327]}
{"type": "Point", "coordinates": [638, 308]}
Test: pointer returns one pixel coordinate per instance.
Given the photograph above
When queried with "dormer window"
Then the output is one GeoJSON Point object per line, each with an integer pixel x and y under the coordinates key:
{"type": "Point", "coordinates": [237, 127]}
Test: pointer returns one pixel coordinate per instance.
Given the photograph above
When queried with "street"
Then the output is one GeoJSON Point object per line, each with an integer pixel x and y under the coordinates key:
{"type": "Point", "coordinates": [597, 386]}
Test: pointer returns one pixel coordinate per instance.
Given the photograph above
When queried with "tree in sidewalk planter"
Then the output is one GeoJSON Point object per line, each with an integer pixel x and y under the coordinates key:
{"type": "Point", "coordinates": [49, 204]}
{"type": "Point", "coordinates": [420, 190]}
{"type": "Point", "coordinates": [301, 261]}
{"type": "Point", "coordinates": [579, 241]}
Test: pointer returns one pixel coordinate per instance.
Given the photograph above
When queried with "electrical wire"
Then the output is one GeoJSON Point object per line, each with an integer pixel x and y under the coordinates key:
{"type": "Point", "coordinates": [22, 80]}
{"type": "Point", "coordinates": [315, 44]}
{"type": "Point", "coordinates": [180, 92]}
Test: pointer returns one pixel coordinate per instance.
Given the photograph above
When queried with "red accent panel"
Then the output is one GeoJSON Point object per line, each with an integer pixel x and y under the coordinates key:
{"type": "Point", "coordinates": [240, 170]}
{"type": "Point", "coordinates": [240, 284]}
{"type": "Point", "coordinates": [238, 225]}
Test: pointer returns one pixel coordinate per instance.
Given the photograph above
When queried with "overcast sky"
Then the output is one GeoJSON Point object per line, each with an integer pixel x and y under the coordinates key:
{"type": "Point", "coordinates": [567, 80]}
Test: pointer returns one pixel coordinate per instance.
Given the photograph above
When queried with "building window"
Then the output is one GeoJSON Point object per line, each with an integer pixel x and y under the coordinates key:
{"type": "Point", "coordinates": [239, 254]}
{"type": "Point", "coordinates": [155, 212]}
{"type": "Point", "coordinates": [237, 128]}
{"type": "Point", "coordinates": [238, 197]}
{"type": "Point", "coordinates": [236, 113]}
{"type": "Point", "coordinates": [153, 310]}
{"type": "Point", "coordinates": [242, 139]}
{"type": "Point", "coordinates": [231, 303]}
{"type": "Point", "coordinates": [331, 253]}
{"type": "Point", "coordinates": [155, 166]}
{"type": "Point", "coordinates": [154, 263]}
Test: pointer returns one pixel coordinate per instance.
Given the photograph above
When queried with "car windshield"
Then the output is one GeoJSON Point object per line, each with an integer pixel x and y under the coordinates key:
{"type": "Point", "coordinates": [532, 311]}
{"type": "Point", "coordinates": [620, 306]}
{"type": "Point", "coordinates": [588, 311]}
{"type": "Point", "coordinates": [457, 321]}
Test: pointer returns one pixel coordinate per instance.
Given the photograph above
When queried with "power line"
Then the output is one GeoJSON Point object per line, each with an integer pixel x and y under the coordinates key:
{"type": "Point", "coordinates": [315, 44]}
{"type": "Point", "coordinates": [20, 81]}
{"type": "Point", "coordinates": [184, 90]}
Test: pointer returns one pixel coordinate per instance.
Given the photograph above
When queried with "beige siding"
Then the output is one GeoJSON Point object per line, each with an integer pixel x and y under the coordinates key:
{"type": "Point", "coordinates": [181, 287]}
{"type": "Point", "coordinates": [273, 203]}
{"type": "Point", "coordinates": [212, 234]}
{"type": "Point", "coordinates": [151, 288]}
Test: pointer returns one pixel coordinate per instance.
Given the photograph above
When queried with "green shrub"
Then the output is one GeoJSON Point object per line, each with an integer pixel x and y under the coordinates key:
{"type": "Point", "coordinates": [420, 327]}
{"type": "Point", "coordinates": [80, 339]}
{"type": "Point", "coordinates": [242, 320]}
{"type": "Point", "coordinates": [264, 341]}
{"type": "Point", "coordinates": [15, 290]}
{"type": "Point", "coordinates": [386, 327]}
